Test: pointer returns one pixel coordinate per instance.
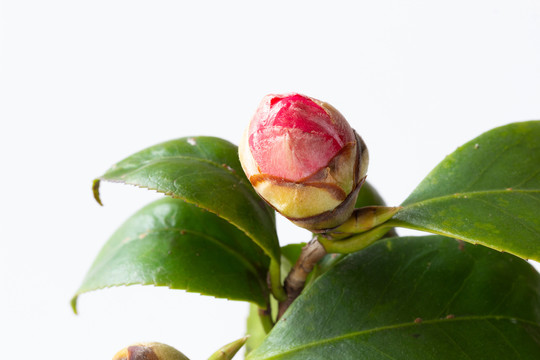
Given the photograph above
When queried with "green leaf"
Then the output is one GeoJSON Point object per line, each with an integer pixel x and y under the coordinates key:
{"type": "Point", "coordinates": [204, 171]}
{"type": "Point", "coordinates": [486, 192]}
{"type": "Point", "coordinates": [175, 244]}
{"type": "Point", "coordinates": [414, 298]}
{"type": "Point", "coordinates": [368, 196]}
{"type": "Point", "coordinates": [291, 252]}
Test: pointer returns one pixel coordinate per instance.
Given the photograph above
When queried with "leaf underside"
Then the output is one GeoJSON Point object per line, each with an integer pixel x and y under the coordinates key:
{"type": "Point", "coordinates": [204, 171]}
{"type": "Point", "coordinates": [486, 192]}
{"type": "Point", "coordinates": [175, 244]}
{"type": "Point", "coordinates": [414, 298]}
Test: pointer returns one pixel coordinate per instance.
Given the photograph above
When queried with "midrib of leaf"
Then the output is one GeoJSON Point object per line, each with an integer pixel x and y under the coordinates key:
{"type": "Point", "coordinates": [466, 195]}
{"type": "Point", "coordinates": [469, 196]}
{"type": "Point", "coordinates": [400, 326]}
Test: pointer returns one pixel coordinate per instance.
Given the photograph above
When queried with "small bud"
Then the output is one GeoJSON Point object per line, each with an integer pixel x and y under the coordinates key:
{"type": "Point", "coordinates": [228, 351]}
{"type": "Point", "coordinates": [149, 351]}
{"type": "Point", "coordinates": [364, 219]}
{"type": "Point", "coordinates": [304, 159]}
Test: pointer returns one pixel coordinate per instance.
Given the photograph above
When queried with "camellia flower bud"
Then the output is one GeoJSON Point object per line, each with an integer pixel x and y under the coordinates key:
{"type": "Point", "coordinates": [304, 159]}
{"type": "Point", "coordinates": [149, 351]}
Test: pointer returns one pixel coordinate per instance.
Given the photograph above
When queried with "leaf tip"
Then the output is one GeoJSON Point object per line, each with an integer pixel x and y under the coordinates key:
{"type": "Point", "coordinates": [228, 351]}
{"type": "Point", "coordinates": [73, 303]}
{"type": "Point", "coordinates": [95, 191]}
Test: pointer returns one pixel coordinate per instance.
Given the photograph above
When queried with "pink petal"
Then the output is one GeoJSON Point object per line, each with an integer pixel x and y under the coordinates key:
{"type": "Point", "coordinates": [292, 137]}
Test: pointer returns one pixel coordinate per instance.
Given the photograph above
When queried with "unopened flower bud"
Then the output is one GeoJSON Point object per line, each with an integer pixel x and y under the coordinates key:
{"type": "Point", "coordinates": [149, 351]}
{"type": "Point", "coordinates": [304, 159]}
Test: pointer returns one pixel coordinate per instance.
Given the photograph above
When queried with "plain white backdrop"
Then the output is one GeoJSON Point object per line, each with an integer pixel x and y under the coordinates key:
{"type": "Point", "coordinates": [85, 83]}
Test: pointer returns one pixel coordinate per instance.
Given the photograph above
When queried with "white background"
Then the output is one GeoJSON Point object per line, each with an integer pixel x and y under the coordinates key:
{"type": "Point", "coordinates": [85, 83]}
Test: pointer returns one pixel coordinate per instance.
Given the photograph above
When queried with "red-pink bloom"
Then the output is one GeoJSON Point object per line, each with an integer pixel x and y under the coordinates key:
{"type": "Point", "coordinates": [292, 137]}
{"type": "Point", "coordinates": [149, 350]}
{"type": "Point", "coordinates": [304, 159]}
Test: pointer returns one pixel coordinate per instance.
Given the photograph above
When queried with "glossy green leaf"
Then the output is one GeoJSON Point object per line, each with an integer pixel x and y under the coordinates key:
{"type": "Point", "coordinates": [486, 192]}
{"type": "Point", "coordinates": [204, 171]}
{"type": "Point", "coordinates": [414, 298]}
{"type": "Point", "coordinates": [175, 244]}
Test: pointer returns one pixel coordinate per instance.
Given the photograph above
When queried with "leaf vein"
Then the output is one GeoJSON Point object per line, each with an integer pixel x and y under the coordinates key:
{"type": "Point", "coordinates": [526, 180]}
{"type": "Point", "coordinates": [468, 195]}
{"type": "Point", "coordinates": [512, 216]}
{"type": "Point", "coordinates": [453, 341]}
{"type": "Point", "coordinates": [458, 291]}
{"type": "Point", "coordinates": [379, 350]}
{"type": "Point", "coordinates": [398, 326]}
{"type": "Point", "coordinates": [486, 168]}
{"type": "Point", "coordinates": [504, 338]}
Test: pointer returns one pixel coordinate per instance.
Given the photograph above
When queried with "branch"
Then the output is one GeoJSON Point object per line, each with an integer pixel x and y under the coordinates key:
{"type": "Point", "coordinates": [311, 253]}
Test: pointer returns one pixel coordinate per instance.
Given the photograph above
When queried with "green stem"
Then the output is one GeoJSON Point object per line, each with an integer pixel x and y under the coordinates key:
{"type": "Point", "coordinates": [275, 281]}
{"type": "Point", "coordinates": [265, 315]}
